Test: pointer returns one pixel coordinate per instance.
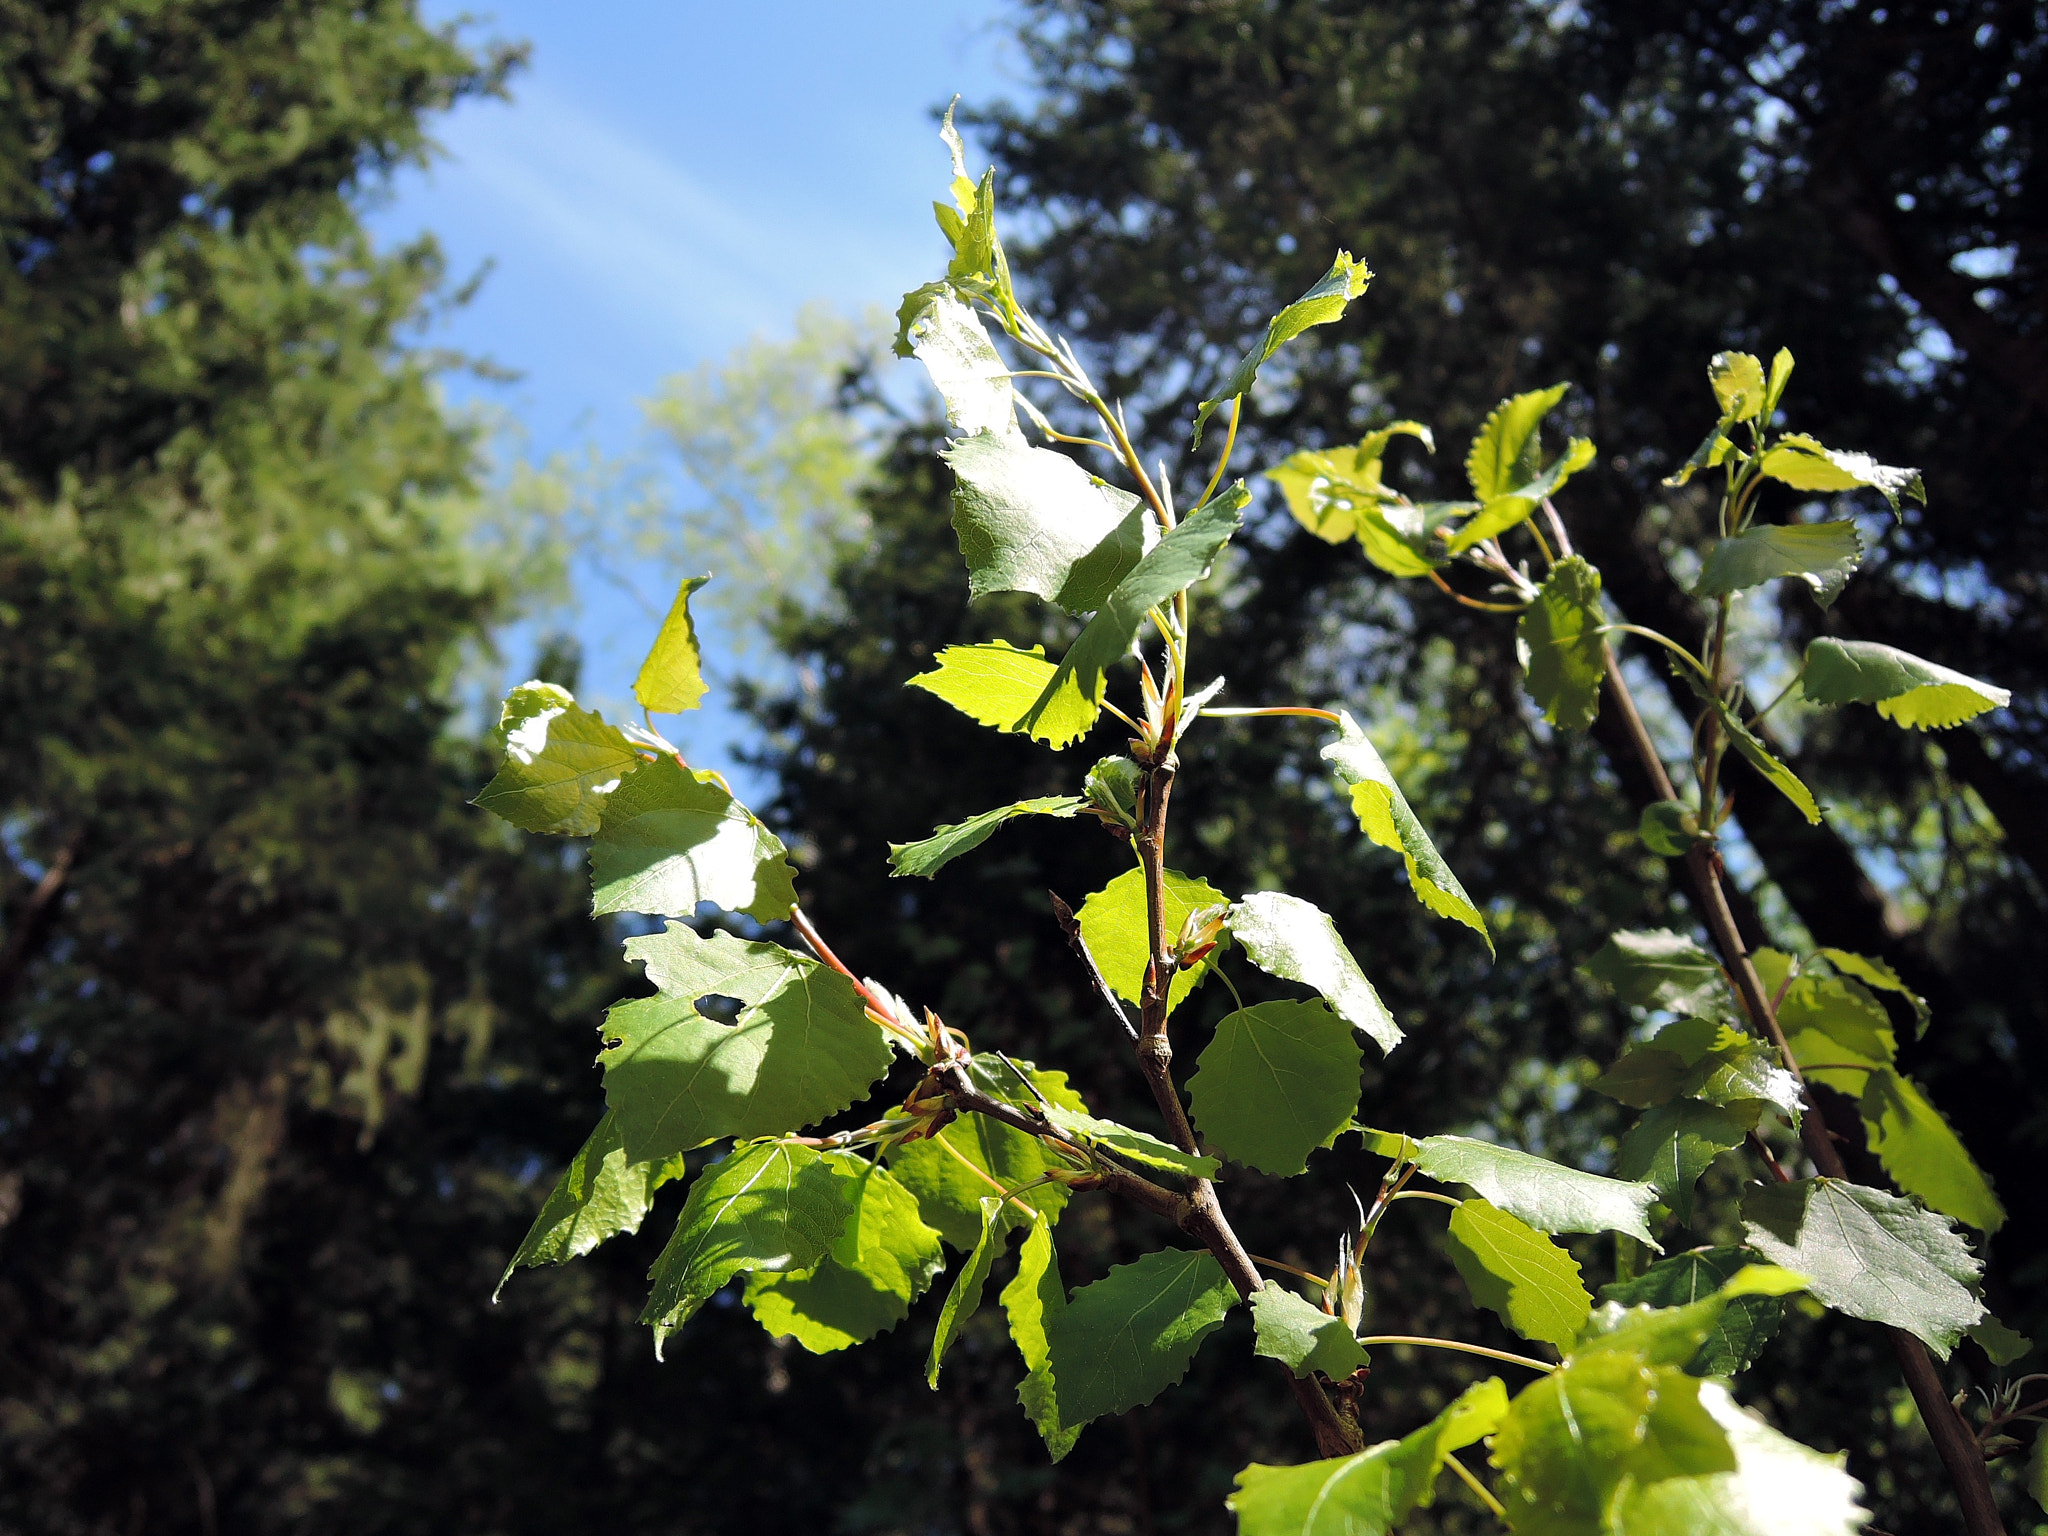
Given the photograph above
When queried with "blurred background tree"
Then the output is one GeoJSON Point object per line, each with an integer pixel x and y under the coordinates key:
{"type": "Point", "coordinates": [295, 1041]}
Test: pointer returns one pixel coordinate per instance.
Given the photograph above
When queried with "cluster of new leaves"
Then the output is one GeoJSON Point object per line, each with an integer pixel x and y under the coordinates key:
{"type": "Point", "coordinates": [747, 1045]}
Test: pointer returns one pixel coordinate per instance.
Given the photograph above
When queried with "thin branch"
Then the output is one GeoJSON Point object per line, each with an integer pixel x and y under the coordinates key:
{"type": "Point", "coordinates": [1071, 927]}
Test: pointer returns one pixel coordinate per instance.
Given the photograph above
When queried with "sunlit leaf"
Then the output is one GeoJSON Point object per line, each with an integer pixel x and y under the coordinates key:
{"type": "Point", "coordinates": [1497, 514]}
{"type": "Point", "coordinates": [1742, 1328]}
{"type": "Point", "coordinates": [1296, 940]}
{"type": "Point", "coordinates": [1302, 1335]}
{"type": "Point", "coordinates": [1324, 302]}
{"type": "Point", "coordinates": [1371, 1493]}
{"type": "Point", "coordinates": [1384, 814]}
{"type": "Point", "coordinates": [995, 684]}
{"type": "Point", "coordinates": [1738, 381]}
{"type": "Point", "coordinates": [1176, 563]}
{"type": "Point", "coordinates": [970, 375]}
{"type": "Point", "coordinates": [672, 838]}
{"type": "Point", "coordinates": [1113, 926]}
{"type": "Point", "coordinates": [1562, 650]}
{"type": "Point", "coordinates": [801, 1049]}
{"type": "Point", "coordinates": [1805, 465]}
{"type": "Point", "coordinates": [1278, 1081]}
{"type": "Point", "coordinates": [1125, 1339]}
{"type": "Point", "coordinates": [561, 761]}
{"type": "Point", "coordinates": [1503, 455]}
{"type": "Point", "coordinates": [980, 1156]}
{"type": "Point", "coordinates": [1513, 1270]}
{"type": "Point", "coordinates": [1673, 1143]}
{"type": "Point", "coordinates": [599, 1195]}
{"type": "Point", "coordinates": [964, 1300]}
{"type": "Point", "coordinates": [1549, 1196]}
{"type": "Point", "coordinates": [1870, 1255]}
{"type": "Point", "coordinates": [1905, 689]}
{"type": "Point", "coordinates": [1032, 520]}
{"type": "Point", "coordinates": [1133, 1146]}
{"type": "Point", "coordinates": [883, 1259]}
{"type": "Point", "coordinates": [770, 1206]}
{"type": "Point", "coordinates": [1656, 968]}
{"type": "Point", "coordinates": [931, 855]}
{"type": "Point", "coordinates": [1823, 555]}
{"type": "Point", "coordinates": [1034, 1301]}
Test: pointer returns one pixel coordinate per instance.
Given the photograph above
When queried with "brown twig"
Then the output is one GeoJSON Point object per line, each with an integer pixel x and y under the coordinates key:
{"type": "Point", "coordinates": [1953, 1439]}
{"type": "Point", "coordinates": [1071, 927]}
{"type": "Point", "coordinates": [1203, 1219]}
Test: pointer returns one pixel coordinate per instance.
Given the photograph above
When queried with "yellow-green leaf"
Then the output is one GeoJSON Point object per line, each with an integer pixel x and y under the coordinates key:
{"type": "Point", "coordinates": [672, 677]}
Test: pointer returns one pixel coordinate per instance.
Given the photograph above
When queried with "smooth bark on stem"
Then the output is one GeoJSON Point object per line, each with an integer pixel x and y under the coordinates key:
{"type": "Point", "coordinates": [1203, 1219]}
{"type": "Point", "coordinates": [1953, 1441]}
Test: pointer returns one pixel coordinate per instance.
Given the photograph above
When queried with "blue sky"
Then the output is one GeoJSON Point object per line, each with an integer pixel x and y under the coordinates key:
{"type": "Point", "coordinates": [669, 180]}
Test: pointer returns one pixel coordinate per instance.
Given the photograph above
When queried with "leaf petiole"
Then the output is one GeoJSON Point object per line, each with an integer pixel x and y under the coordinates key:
{"type": "Point", "coordinates": [1472, 602]}
{"type": "Point", "coordinates": [1237, 712]}
{"type": "Point", "coordinates": [1664, 640]}
{"type": "Point", "coordinates": [1258, 1258]}
{"type": "Point", "coordinates": [1229, 443]}
{"type": "Point", "coordinates": [1426, 1194]}
{"type": "Point", "coordinates": [1464, 1349]}
{"type": "Point", "coordinates": [1476, 1486]}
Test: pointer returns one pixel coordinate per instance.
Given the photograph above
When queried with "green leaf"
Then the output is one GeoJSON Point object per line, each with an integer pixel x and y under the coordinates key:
{"type": "Point", "coordinates": [1176, 563]}
{"type": "Point", "coordinates": [1395, 1146]}
{"type": "Point", "coordinates": [1841, 1010]}
{"type": "Point", "coordinates": [1278, 1081]}
{"type": "Point", "coordinates": [1656, 968]}
{"type": "Point", "coordinates": [2002, 1344]}
{"type": "Point", "coordinates": [1497, 514]}
{"type": "Point", "coordinates": [1125, 1339]}
{"type": "Point", "coordinates": [1384, 814]}
{"type": "Point", "coordinates": [1823, 555]}
{"type": "Point", "coordinates": [1783, 779]}
{"type": "Point", "coordinates": [1711, 453]}
{"type": "Point", "coordinates": [1669, 828]}
{"type": "Point", "coordinates": [1800, 462]}
{"type": "Point", "coordinates": [1672, 1145]}
{"type": "Point", "coordinates": [949, 1194]}
{"type": "Point", "coordinates": [1674, 1336]}
{"type": "Point", "coordinates": [1781, 375]}
{"type": "Point", "coordinates": [970, 375]}
{"type": "Point", "coordinates": [561, 761]}
{"type": "Point", "coordinates": [802, 1047]}
{"type": "Point", "coordinates": [1923, 1154]}
{"type": "Point", "coordinates": [1295, 940]}
{"type": "Point", "coordinates": [1034, 1301]}
{"type": "Point", "coordinates": [769, 1206]}
{"type": "Point", "coordinates": [1905, 689]}
{"type": "Point", "coordinates": [883, 1259]}
{"type": "Point", "coordinates": [1738, 381]}
{"type": "Point", "coordinates": [1327, 492]}
{"type": "Point", "coordinates": [1368, 1494]}
{"type": "Point", "coordinates": [1503, 454]}
{"type": "Point", "coordinates": [672, 677]}
{"type": "Point", "coordinates": [1516, 1272]}
{"type": "Point", "coordinates": [964, 1300]}
{"type": "Point", "coordinates": [1547, 1195]}
{"type": "Point", "coordinates": [1134, 1146]}
{"type": "Point", "coordinates": [1032, 520]}
{"type": "Point", "coordinates": [1742, 1328]}
{"type": "Point", "coordinates": [1876, 973]}
{"type": "Point", "coordinates": [927, 858]}
{"type": "Point", "coordinates": [995, 684]}
{"type": "Point", "coordinates": [1702, 1059]}
{"type": "Point", "coordinates": [599, 1195]}
{"type": "Point", "coordinates": [1112, 786]}
{"type": "Point", "coordinates": [1869, 1255]}
{"type": "Point", "coordinates": [1303, 1336]}
{"type": "Point", "coordinates": [2037, 1469]}
{"type": "Point", "coordinates": [1324, 302]}
{"type": "Point", "coordinates": [1777, 1487]}
{"type": "Point", "coordinates": [672, 839]}
{"type": "Point", "coordinates": [1563, 652]}
{"type": "Point", "coordinates": [1113, 926]}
